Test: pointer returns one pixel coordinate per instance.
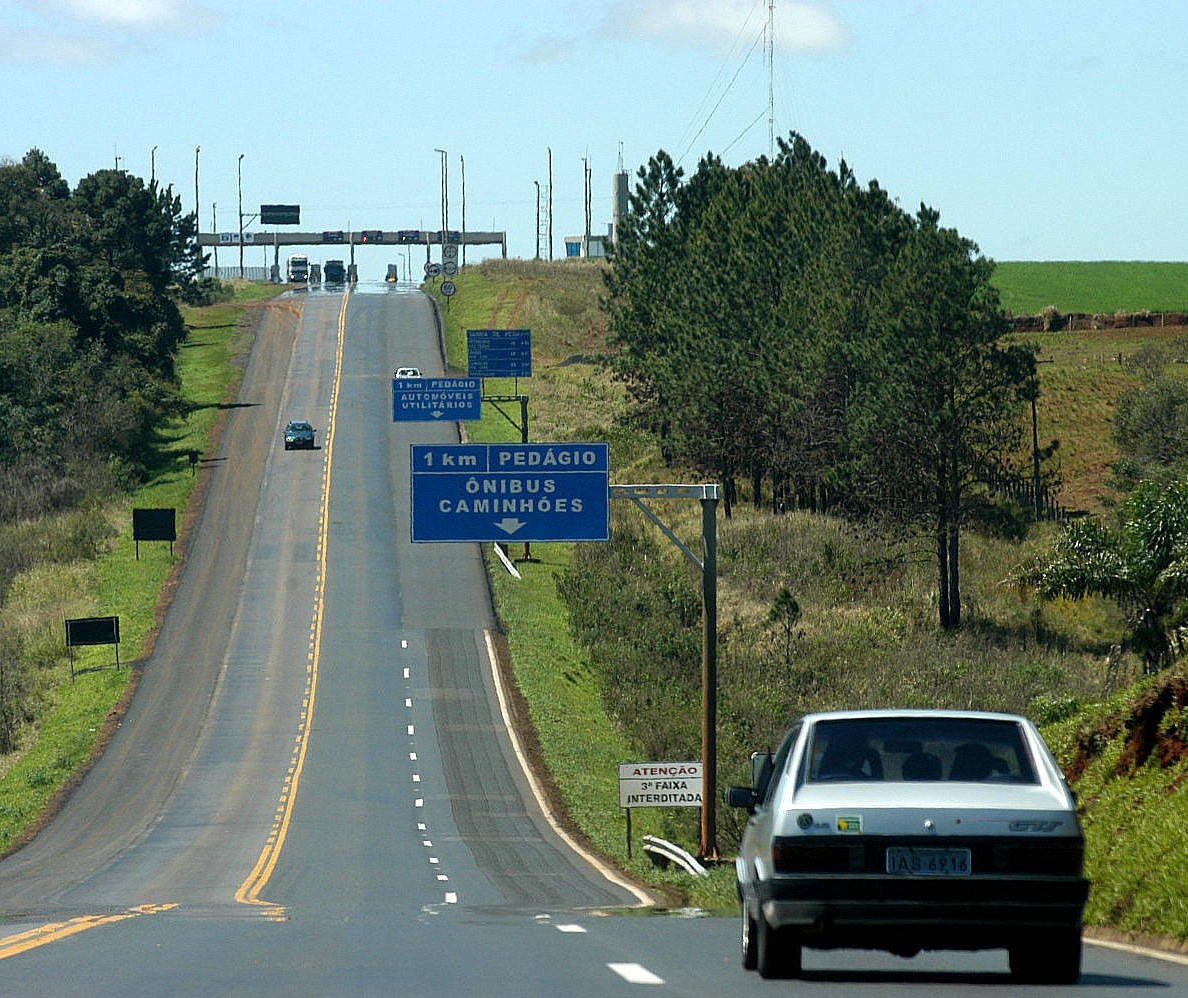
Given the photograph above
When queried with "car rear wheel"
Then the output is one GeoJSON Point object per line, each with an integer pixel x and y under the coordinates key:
{"type": "Point", "coordinates": [1050, 958]}
{"type": "Point", "coordinates": [777, 951]}
{"type": "Point", "coordinates": [750, 950]}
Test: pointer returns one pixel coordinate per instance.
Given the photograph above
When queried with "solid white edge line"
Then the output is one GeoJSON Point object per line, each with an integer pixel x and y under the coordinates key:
{"type": "Point", "coordinates": [1135, 950]}
{"type": "Point", "coordinates": [594, 861]}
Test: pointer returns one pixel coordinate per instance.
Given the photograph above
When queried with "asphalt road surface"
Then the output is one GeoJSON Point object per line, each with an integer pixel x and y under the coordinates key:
{"type": "Point", "coordinates": [314, 791]}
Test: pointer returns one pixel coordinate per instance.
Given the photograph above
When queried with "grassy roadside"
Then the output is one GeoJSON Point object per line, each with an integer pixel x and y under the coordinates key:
{"type": "Point", "coordinates": [75, 713]}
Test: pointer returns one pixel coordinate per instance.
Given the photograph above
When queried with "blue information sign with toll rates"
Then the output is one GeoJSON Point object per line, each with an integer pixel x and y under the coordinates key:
{"type": "Point", "coordinates": [430, 400]}
{"type": "Point", "coordinates": [499, 353]}
{"type": "Point", "coordinates": [511, 492]}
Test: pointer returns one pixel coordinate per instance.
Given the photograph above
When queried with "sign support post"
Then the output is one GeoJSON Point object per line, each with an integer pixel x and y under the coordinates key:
{"type": "Point", "coordinates": [707, 563]}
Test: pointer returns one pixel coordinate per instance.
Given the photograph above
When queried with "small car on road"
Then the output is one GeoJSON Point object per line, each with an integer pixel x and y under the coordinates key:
{"type": "Point", "coordinates": [910, 830]}
{"type": "Point", "coordinates": [299, 434]}
{"type": "Point", "coordinates": [408, 372]}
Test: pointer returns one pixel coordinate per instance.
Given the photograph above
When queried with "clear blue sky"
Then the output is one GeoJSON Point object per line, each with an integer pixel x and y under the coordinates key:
{"type": "Point", "coordinates": [1041, 130]}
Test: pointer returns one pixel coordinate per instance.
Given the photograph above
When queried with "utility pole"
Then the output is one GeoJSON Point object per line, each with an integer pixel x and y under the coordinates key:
{"type": "Point", "coordinates": [214, 227]}
{"type": "Point", "coordinates": [550, 212]}
{"type": "Point", "coordinates": [153, 166]}
{"type": "Point", "coordinates": [462, 160]}
{"type": "Point", "coordinates": [537, 183]}
{"type": "Point", "coordinates": [444, 198]}
{"type": "Point", "coordinates": [770, 79]}
{"type": "Point", "coordinates": [239, 174]}
{"type": "Point", "coordinates": [586, 204]}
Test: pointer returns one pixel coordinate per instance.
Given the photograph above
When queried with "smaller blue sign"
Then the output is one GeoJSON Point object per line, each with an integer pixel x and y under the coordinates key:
{"type": "Point", "coordinates": [430, 400]}
{"type": "Point", "coordinates": [499, 353]}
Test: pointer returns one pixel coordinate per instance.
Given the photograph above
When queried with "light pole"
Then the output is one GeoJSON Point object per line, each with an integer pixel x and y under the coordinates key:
{"type": "Point", "coordinates": [240, 178]}
{"type": "Point", "coordinates": [214, 227]}
{"type": "Point", "coordinates": [197, 204]}
{"type": "Point", "coordinates": [444, 198]}
{"type": "Point", "coordinates": [153, 165]}
{"type": "Point", "coordinates": [537, 182]}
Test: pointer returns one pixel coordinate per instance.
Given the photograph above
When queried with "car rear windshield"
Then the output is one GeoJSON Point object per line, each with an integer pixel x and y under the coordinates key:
{"type": "Point", "coordinates": [912, 749]}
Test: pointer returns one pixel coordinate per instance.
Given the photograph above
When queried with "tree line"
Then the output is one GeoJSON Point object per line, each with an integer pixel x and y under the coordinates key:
{"type": "Point", "coordinates": [90, 281]}
{"type": "Point", "coordinates": [800, 338]}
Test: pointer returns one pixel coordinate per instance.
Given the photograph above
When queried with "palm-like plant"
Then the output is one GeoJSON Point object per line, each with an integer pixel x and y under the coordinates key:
{"type": "Point", "coordinates": [1141, 565]}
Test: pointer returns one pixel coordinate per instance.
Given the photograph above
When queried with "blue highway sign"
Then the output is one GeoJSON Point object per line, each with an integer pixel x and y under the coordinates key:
{"type": "Point", "coordinates": [499, 353]}
{"type": "Point", "coordinates": [427, 400]}
{"type": "Point", "coordinates": [511, 492]}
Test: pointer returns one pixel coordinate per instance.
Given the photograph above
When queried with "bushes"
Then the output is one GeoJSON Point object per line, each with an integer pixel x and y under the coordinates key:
{"type": "Point", "coordinates": [862, 634]}
{"type": "Point", "coordinates": [638, 618]}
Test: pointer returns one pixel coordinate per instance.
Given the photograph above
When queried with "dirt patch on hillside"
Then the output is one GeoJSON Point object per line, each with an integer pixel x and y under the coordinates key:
{"type": "Point", "coordinates": [1156, 727]}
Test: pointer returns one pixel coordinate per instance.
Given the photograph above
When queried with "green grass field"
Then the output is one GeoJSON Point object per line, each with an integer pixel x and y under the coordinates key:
{"type": "Point", "coordinates": [1102, 287]}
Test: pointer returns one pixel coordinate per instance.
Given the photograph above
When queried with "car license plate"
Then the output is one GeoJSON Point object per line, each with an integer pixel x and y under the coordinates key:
{"type": "Point", "coordinates": [928, 862]}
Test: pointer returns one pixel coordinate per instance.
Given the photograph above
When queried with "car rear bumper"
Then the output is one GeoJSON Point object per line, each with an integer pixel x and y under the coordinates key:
{"type": "Point", "coordinates": [938, 912]}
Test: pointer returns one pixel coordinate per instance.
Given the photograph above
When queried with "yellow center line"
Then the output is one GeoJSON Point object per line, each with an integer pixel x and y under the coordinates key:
{"type": "Point", "coordinates": [249, 890]}
{"type": "Point", "coordinates": [22, 942]}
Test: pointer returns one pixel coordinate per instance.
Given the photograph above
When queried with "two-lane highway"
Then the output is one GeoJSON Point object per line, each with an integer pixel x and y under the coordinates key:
{"type": "Point", "coordinates": [315, 791]}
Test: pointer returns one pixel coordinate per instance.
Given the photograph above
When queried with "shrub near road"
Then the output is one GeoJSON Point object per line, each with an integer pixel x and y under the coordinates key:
{"type": "Point", "coordinates": [614, 626]}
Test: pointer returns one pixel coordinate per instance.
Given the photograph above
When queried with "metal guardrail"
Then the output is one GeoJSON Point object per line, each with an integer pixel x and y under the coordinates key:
{"type": "Point", "coordinates": [663, 853]}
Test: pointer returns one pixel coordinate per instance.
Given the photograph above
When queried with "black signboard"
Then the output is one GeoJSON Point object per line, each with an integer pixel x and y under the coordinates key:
{"type": "Point", "coordinates": [280, 214]}
{"type": "Point", "coordinates": [154, 525]}
{"type": "Point", "coordinates": [92, 631]}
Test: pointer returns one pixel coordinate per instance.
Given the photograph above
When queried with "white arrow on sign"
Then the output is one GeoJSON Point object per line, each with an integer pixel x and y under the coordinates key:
{"type": "Point", "coordinates": [509, 525]}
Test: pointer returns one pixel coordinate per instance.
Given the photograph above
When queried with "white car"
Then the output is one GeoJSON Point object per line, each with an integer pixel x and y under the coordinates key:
{"type": "Point", "coordinates": [910, 830]}
{"type": "Point", "coordinates": [408, 372]}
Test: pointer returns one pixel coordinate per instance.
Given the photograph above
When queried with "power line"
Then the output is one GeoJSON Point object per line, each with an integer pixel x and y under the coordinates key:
{"type": "Point", "coordinates": [742, 66]}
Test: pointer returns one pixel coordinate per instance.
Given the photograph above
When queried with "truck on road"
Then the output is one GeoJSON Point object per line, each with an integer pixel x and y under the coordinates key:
{"type": "Point", "coordinates": [297, 269]}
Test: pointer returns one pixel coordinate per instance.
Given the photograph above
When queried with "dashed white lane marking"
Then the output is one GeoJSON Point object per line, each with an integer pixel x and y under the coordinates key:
{"type": "Point", "coordinates": [451, 897]}
{"type": "Point", "coordinates": [571, 928]}
{"type": "Point", "coordinates": [634, 973]}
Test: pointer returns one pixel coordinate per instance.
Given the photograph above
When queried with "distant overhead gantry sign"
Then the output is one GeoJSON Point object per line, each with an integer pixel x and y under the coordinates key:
{"type": "Point", "coordinates": [359, 237]}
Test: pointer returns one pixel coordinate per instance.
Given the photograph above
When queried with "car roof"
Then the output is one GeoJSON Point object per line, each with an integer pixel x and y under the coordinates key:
{"type": "Point", "coordinates": [909, 712]}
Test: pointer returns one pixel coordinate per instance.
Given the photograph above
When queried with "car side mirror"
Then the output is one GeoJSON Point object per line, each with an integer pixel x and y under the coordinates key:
{"type": "Point", "coordinates": [741, 797]}
{"type": "Point", "coordinates": [761, 770]}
